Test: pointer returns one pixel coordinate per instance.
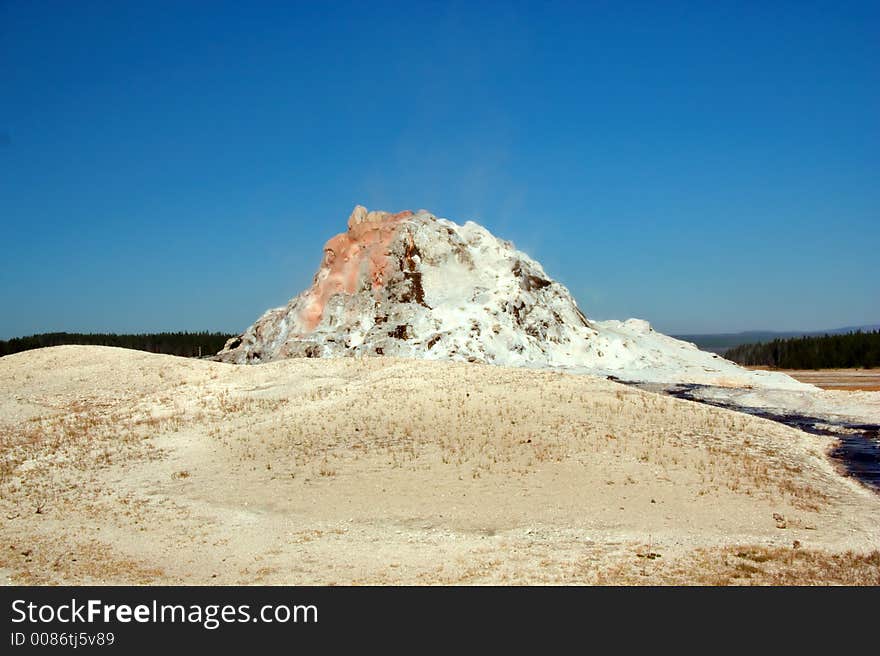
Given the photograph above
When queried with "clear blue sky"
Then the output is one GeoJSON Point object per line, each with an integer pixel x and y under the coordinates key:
{"type": "Point", "coordinates": [708, 167]}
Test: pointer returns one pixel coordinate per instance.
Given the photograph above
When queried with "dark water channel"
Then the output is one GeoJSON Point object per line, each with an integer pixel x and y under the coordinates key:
{"type": "Point", "coordinates": [858, 445]}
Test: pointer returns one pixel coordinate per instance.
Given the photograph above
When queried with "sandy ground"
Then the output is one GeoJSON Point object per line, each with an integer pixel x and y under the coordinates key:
{"type": "Point", "coordinates": [838, 379]}
{"type": "Point", "coordinates": [127, 467]}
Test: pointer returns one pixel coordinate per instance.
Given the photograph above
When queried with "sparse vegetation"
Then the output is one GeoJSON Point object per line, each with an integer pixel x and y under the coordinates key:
{"type": "Point", "coordinates": [440, 455]}
{"type": "Point", "coordinates": [758, 565]}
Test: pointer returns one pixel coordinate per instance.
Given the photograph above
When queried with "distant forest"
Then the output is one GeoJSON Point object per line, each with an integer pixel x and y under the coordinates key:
{"type": "Point", "coordinates": [853, 350]}
{"type": "Point", "coordinates": [183, 344]}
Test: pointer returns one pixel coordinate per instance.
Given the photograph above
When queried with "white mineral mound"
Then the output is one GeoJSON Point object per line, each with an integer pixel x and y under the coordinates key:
{"type": "Point", "coordinates": [413, 285]}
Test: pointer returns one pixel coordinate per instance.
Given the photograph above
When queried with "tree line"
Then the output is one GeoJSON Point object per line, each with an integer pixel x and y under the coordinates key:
{"type": "Point", "coordinates": [851, 350]}
{"type": "Point", "coordinates": [182, 343]}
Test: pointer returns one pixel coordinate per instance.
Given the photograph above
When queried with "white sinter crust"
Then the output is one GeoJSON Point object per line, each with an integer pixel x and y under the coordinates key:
{"type": "Point", "coordinates": [413, 285]}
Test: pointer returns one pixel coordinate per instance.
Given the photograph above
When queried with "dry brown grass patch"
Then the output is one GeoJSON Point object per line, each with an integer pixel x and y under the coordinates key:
{"type": "Point", "coordinates": [758, 565]}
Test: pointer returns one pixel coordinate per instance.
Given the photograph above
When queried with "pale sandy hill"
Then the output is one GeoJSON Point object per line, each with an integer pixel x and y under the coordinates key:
{"type": "Point", "coordinates": [120, 467]}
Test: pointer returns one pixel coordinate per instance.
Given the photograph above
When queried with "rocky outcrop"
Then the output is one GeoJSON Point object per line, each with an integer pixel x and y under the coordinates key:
{"type": "Point", "coordinates": [413, 285]}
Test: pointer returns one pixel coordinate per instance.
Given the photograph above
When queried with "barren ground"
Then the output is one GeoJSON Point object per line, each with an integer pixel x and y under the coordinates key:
{"type": "Point", "coordinates": [838, 379]}
{"type": "Point", "coordinates": [127, 467]}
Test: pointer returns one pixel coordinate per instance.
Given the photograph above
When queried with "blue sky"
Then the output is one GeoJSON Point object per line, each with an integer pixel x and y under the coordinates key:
{"type": "Point", "coordinates": [708, 167]}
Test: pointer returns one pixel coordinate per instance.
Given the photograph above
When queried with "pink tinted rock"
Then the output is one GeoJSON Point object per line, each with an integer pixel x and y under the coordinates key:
{"type": "Point", "coordinates": [349, 256]}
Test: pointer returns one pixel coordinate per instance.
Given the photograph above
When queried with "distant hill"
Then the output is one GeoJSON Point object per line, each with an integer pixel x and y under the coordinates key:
{"type": "Point", "coordinates": [721, 342]}
{"type": "Point", "coordinates": [183, 343]}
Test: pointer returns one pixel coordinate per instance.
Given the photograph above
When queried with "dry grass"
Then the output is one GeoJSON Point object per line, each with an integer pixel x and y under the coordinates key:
{"type": "Point", "coordinates": [865, 380]}
{"type": "Point", "coordinates": [466, 420]}
{"type": "Point", "coordinates": [741, 565]}
{"type": "Point", "coordinates": [756, 565]}
{"type": "Point", "coordinates": [39, 560]}
{"type": "Point", "coordinates": [382, 470]}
